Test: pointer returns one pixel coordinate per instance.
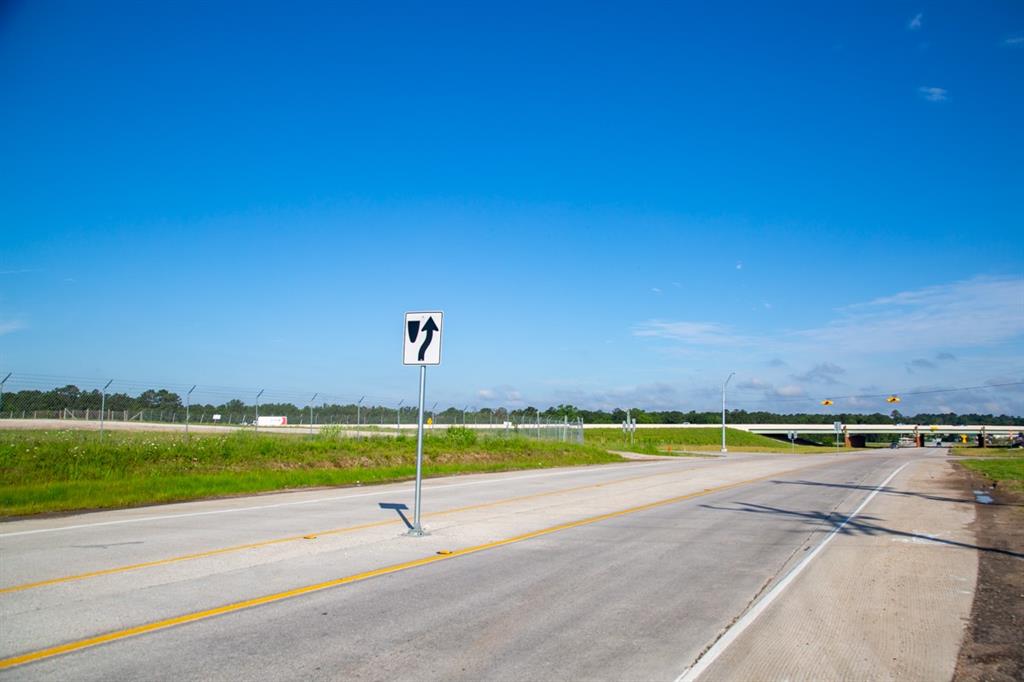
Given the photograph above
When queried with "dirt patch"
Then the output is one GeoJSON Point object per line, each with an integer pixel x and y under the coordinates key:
{"type": "Point", "coordinates": [993, 647]}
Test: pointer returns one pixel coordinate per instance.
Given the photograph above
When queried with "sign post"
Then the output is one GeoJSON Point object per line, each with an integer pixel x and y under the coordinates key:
{"type": "Point", "coordinates": [421, 346]}
{"type": "Point", "coordinates": [838, 426]}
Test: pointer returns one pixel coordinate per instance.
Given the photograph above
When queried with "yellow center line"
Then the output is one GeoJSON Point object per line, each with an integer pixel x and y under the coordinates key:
{"type": "Point", "coordinates": [288, 594]}
{"type": "Point", "coordinates": [302, 536]}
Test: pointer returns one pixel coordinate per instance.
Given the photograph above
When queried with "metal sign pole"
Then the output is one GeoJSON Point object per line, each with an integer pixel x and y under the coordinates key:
{"type": "Point", "coordinates": [417, 529]}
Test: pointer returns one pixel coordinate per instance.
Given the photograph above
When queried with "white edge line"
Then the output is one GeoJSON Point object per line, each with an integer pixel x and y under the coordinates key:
{"type": "Point", "coordinates": [733, 633]}
{"type": "Point", "coordinates": [390, 491]}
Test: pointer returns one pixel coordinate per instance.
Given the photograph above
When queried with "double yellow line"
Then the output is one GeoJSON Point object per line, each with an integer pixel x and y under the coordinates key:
{"type": "Point", "coordinates": [288, 594]}
{"type": "Point", "coordinates": [304, 536]}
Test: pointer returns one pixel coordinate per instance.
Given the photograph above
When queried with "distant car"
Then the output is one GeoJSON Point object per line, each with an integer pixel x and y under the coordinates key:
{"type": "Point", "coordinates": [893, 445]}
{"type": "Point", "coordinates": [1017, 441]}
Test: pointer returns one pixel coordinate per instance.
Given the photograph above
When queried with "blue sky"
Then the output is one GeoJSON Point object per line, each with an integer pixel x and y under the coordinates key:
{"type": "Point", "coordinates": [614, 205]}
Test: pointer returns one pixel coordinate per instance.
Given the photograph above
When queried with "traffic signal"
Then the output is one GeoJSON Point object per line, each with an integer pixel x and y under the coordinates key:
{"type": "Point", "coordinates": [826, 402]}
{"type": "Point", "coordinates": [892, 399]}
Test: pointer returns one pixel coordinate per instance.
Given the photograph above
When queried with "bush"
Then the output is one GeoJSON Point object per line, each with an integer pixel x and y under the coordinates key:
{"type": "Point", "coordinates": [460, 436]}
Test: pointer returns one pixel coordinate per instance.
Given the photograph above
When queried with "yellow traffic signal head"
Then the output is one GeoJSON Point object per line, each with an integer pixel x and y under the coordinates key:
{"type": "Point", "coordinates": [826, 402]}
{"type": "Point", "coordinates": [892, 399]}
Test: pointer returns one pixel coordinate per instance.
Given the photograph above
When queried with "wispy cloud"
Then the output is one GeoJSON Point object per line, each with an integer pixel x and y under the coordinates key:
{"type": "Point", "coordinates": [690, 333]}
{"type": "Point", "coordinates": [502, 395]}
{"type": "Point", "coordinates": [822, 373]}
{"type": "Point", "coordinates": [933, 94]}
{"type": "Point", "coordinates": [656, 290]}
{"type": "Point", "coordinates": [915, 23]}
{"type": "Point", "coordinates": [1014, 41]}
{"type": "Point", "coordinates": [10, 326]}
{"type": "Point", "coordinates": [978, 312]}
{"type": "Point", "coordinates": [920, 364]}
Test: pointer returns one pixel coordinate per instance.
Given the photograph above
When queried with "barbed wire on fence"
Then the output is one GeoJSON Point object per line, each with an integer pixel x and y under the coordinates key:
{"type": "Point", "coordinates": [41, 397]}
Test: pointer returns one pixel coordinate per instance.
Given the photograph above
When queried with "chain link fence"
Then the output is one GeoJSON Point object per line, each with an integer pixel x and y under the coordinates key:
{"type": "Point", "coordinates": [45, 401]}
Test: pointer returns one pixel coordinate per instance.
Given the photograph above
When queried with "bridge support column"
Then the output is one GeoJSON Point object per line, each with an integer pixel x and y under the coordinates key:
{"type": "Point", "coordinates": [981, 438]}
{"type": "Point", "coordinates": [918, 438]}
{"type": "Point", "coordinates": [846, 437]}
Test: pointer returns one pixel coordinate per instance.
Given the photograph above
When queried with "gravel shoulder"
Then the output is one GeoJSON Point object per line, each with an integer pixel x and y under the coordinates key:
{"type": "Point", "coordinates": [993, 647]}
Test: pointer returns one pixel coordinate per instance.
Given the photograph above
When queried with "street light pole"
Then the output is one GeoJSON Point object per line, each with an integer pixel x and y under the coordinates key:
{"type": "Point", "coordinates": [398, 418]}
{"type": "Point", "coordinates": [731, 375]}
{"type": "Point", "coordinates": [311, 413]}
{"type": "Point", "coordinates": [256, 422]}
{"type": "Point", "coordinates": [359, 405]}
{"type": "Point", "coordinates": [188, 404]}
{"type": "Point", "coordinates": [103, 404]}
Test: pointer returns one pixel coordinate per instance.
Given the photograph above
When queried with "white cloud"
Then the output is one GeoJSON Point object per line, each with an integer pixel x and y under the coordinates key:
{"type": "Point", "coordinates": [790, 391]}
{"type": "Point", "coordinates": [656, 290]}
{"type": "Point", "coordinates": [1014, 41]}
{"type": "Point", "coordinates": [933, 94]}
{"type": "Point", "coordinates": [983, 311]}
{"type": "Point", "coordinates": [739, 265]}
{"type": "Point", "coordinates": [977, 312]}
{"type": "Point", "coordinates": [915, 23]}
{"type": "Point", "coordinates": [11, 326]}
{"type": "Point", "coordinates": [690, 333]}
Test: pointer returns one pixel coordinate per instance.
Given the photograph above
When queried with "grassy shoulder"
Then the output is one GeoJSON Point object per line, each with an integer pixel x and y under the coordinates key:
{"type": "Point", "coordinates": [1007, 472]}
{"type": "Point", "coordinates": [974, 451]}
{"type": "Point", "coordinates": [48, 471]}
{"type": "Point", "coordinates": [698, 440]}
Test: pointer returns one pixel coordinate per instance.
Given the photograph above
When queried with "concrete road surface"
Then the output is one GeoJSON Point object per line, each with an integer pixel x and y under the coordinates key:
{"type": "Point", "coordinates": [855, 566]}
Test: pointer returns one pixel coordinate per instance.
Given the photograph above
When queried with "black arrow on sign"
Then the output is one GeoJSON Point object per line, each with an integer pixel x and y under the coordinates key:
{"type": "Point", "coordinates": [429, 328]}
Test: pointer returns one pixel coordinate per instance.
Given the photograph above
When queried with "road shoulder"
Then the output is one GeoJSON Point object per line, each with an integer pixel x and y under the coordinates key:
{"type": "Point", "coordinates": [993, 648]}
{"type": "Point", "coordinates": [889, 598]}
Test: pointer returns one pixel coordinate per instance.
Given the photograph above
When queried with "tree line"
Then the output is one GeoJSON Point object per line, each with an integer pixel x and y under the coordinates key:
{"type": "Point", "coordinates": [171, 406]}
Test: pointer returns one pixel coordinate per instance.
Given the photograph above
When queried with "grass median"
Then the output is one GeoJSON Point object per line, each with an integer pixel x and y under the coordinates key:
{"type": "Point", "coordinates": [693, 441]}
{"type": "Point", "coordinates": [51, 471]}
{"type": "Point", "coordinates": [1002, 465]}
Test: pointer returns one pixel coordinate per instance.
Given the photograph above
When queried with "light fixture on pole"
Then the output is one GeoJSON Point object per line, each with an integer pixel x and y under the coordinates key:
{"type": "Point", "coordinates": [188, 404]}
{"type": "Point", "coordinates": [731, 375]}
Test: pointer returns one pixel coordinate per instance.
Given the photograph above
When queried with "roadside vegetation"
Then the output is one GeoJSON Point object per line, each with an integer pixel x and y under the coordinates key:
{"type": "Point", "coordinates": [974, 451]}
{"type": "Point", "coordinates": [1005, 466]}
{"type": "Point", "coordinates": [49, 471]}
{"type": "Point", "coordinates": [1006, 472]}
{"type": "Point", "coordinates": [693, 440]}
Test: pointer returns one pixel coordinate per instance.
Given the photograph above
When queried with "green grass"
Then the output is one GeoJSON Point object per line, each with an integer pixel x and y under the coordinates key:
{"type": "Point", "coordinates": [974, 451]}
{"type": "Point", "coordinates": [661, 441]}
{"type": "Point", "coordinates": [1008, 472]}
{"type": "Point", "coordinates": [46, 471]}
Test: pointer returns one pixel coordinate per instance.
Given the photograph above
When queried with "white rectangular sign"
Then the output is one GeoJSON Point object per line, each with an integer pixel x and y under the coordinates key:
{"type": "Point", "coordinates": [422, 338]}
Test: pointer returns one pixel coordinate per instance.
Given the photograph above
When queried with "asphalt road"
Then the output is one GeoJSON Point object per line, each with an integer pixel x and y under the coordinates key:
{"type": "Point", "coordinates": [619, 572]}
